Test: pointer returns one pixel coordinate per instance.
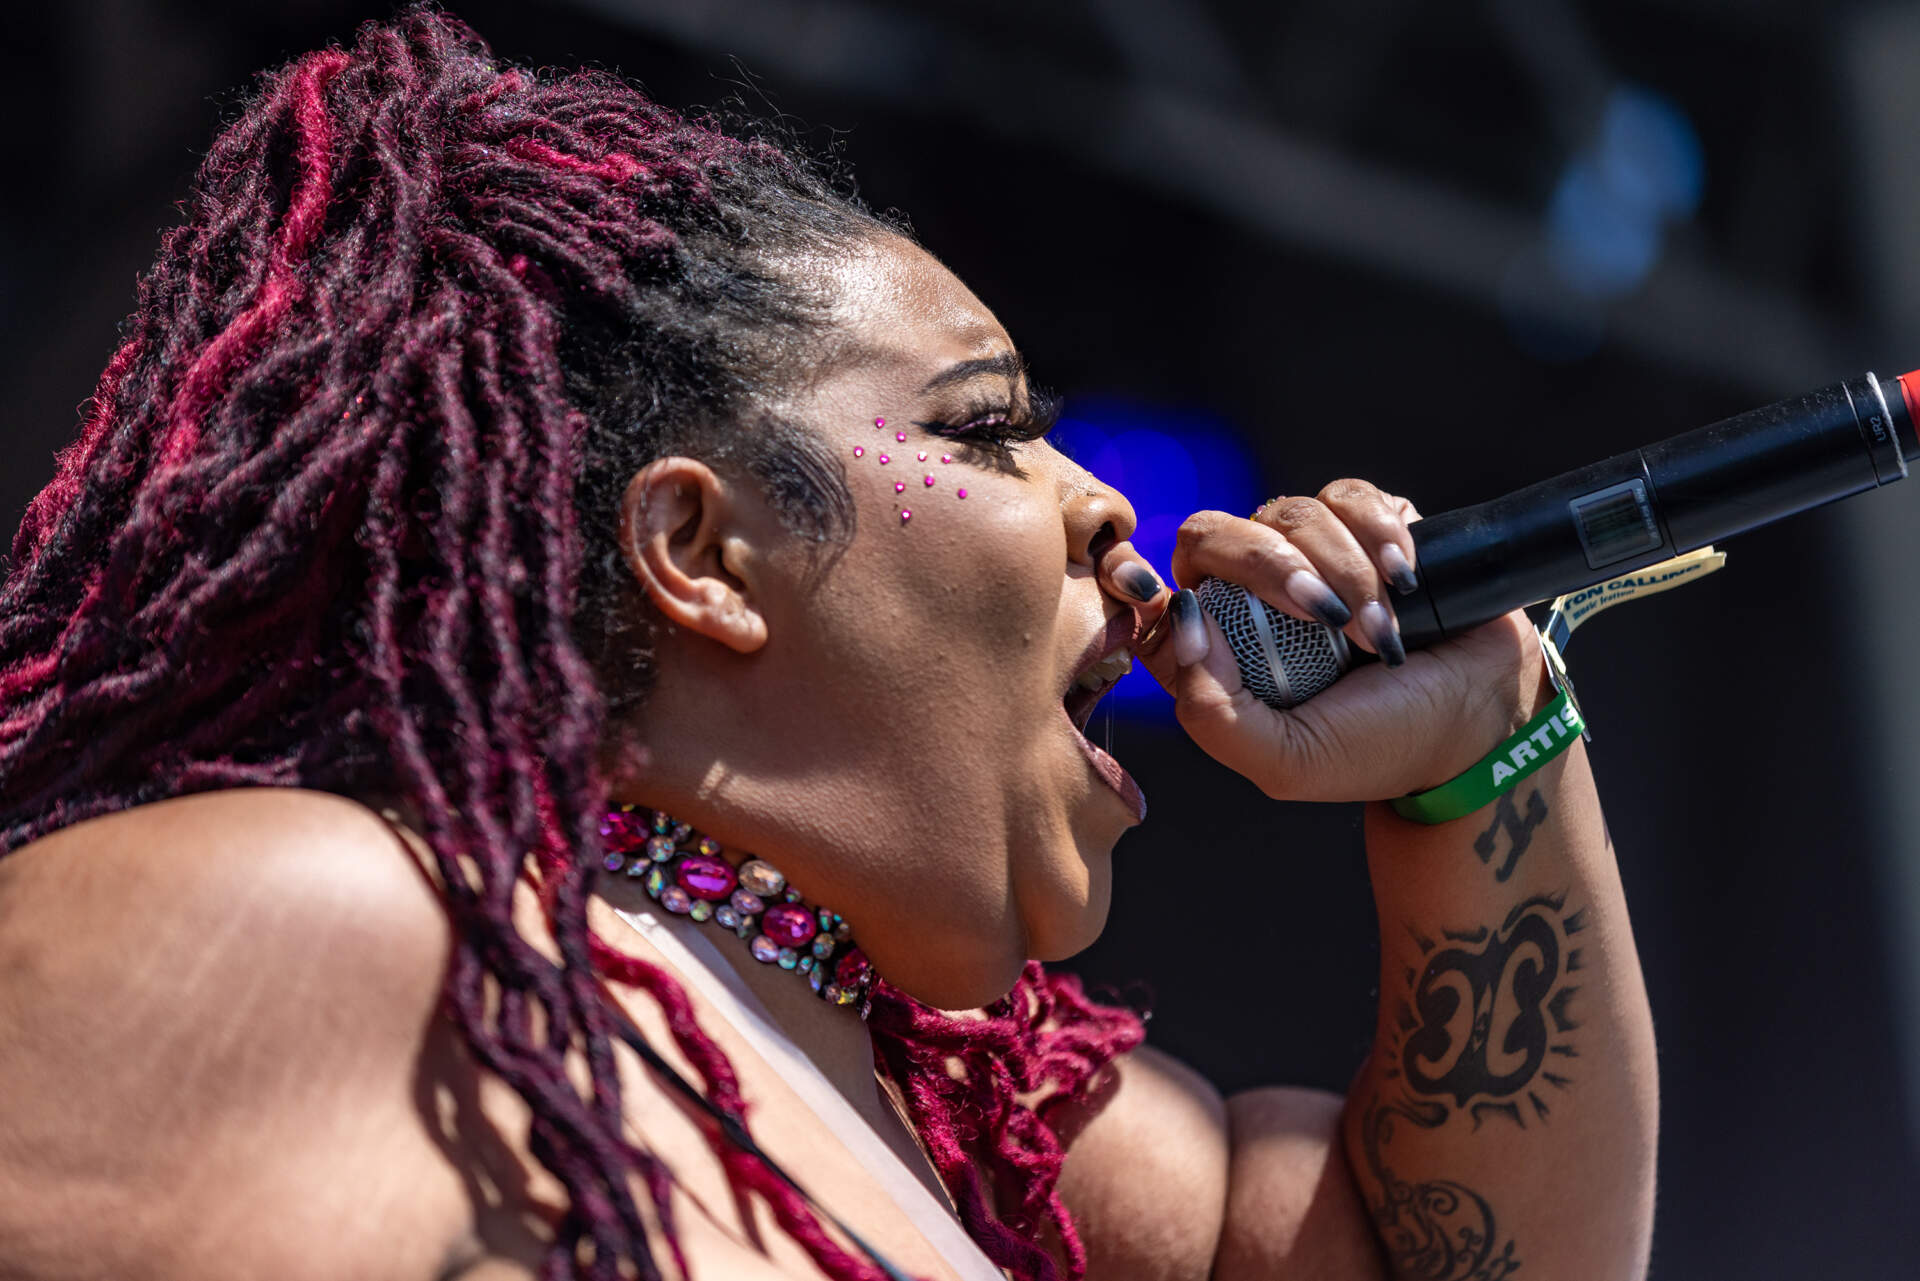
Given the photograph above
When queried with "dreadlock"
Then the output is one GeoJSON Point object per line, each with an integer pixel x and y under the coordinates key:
{"type": "Point", "coordinates": [339, 516]}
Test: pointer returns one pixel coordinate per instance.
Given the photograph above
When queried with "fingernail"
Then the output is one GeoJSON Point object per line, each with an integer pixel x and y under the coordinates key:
{"type": "Point", "coordinates": [1311, 593]}
{"type": "Point", "coordinates": [1382, 633]}
{"type": "Point", "coordinates": [1137, 581]}
{"type": "Point", "coordinates": [1399, 573]}
{"type": "Point", "coordinates": [1190, 643]}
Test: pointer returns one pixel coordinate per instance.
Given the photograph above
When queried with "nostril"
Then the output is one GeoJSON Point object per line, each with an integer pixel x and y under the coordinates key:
{"type": "Point", "coordinates": [1103, 538]}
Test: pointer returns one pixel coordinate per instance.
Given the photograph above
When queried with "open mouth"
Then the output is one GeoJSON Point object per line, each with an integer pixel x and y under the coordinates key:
{"type": "Point", "coordinates": [1082, 696]}
{"type": "Point", "coordinates": [1091, 685]}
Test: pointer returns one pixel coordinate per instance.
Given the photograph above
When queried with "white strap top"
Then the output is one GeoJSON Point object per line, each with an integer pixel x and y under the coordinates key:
{"type": "Point", "coordinates": [701, 964]}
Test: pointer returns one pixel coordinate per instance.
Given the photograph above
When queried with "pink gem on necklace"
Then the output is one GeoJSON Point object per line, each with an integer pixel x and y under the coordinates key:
{"type": "Point", "coordinates": [691, 879]}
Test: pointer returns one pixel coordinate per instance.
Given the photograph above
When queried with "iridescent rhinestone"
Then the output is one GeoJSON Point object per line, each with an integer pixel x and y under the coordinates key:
{"type": "Point", "coordinates": [835, 993]}
{"type": "Point", "coordinates": [806, 964]}
{"type": "Point", "coordinates": [659, 848]}
{"type": "Point", "coordinates": [638, 868]}
{"type": "Point", "coordinates": [726, 916]}
{"type": "Point", "coordinates": [761, 878]}
{"type": "Point", "coordinates": [843, 931]}
{"type": "Point", "coordinates": [703, 877]}
{"type": "Point", "coordinates": [790, 924]}
{"type": "Point", "coordinates": [747, 904]}
{"type": "Point", "coordinates": [792, 895]}
{"type": "Point", "coordinates": [656, 879]}
{"type": "Point", "coordinates": [662, 823]}
{"type": "Point", "coordinates": [788, 958]}
{"type": "Point", "coordinates": [681, 831]}
{"type": "Point", "coordinates": [764, 949]}
{"type": "Point", "coordinates": [828, 918]}
{"type": "Point", "coordinates": [701, 911]}
{"type": "Point", "coordinates": [816, 978]}
{"type": "Point", "coordinates": [675, 899]}
{"type": "Point", "coordinates": [708, 846]}
{"type": "Point", "coordinates": [843, 996]}
{"type": "Point", "coordinates": [614, 862]}
{"type": "Point", "coordinates": [746, 927]}
{"type": "Point", "coordinates": [823, 945]}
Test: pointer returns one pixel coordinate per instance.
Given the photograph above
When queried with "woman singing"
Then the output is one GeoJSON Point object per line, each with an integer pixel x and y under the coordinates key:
{"type": "Point", "coordinates": [545, 699]}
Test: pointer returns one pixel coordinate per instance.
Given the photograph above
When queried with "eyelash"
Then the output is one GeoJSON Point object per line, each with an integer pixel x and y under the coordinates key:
{"type": "Point", "coordinates": [999, 424]}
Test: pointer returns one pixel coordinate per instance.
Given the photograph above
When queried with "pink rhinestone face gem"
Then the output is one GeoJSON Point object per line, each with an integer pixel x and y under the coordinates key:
{"type": "Point", "coordinates": [905, 515]}
{"type": "Point", "coordinates": [922, 455]}
{"type": "Point", "coordinates": [859, 451]}
{"type": "Point", "coordinates": [946, 458]}
{"type": "Point", "coordinates": [963, 493]}
{"type": "Point", "coordinates": [883, 458]}
{"type": "Point", "coordinates": [929, 478]}
{"type": "Point", "coordinates": [878, 423]}
{"type": "Point", "coordinates": [900, 436]}
{"type": "Point", "coordinates": [899, 486]}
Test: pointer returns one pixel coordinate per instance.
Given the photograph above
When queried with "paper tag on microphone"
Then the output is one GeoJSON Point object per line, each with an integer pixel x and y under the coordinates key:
{"type": "Point", "coordinates": [1575, 608]}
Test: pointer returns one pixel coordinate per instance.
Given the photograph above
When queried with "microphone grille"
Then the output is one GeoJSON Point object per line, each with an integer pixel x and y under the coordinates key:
{"type": "Point", "coordinates": [1283, 660]}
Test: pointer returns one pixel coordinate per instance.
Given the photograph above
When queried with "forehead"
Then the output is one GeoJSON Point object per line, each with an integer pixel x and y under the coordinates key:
{"type": "Point", "coordinates": [898, 309]}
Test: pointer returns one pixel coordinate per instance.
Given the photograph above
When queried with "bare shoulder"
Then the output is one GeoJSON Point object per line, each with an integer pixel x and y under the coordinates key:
{"type": "Point", "coordinates": [218, 1005]}
{"type": "Point", "coordinates": [1166, 1179]}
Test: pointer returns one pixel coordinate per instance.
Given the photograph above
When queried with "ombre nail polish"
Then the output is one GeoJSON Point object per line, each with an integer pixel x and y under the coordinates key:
{"type": "Point", "coordinates": [1383, 633]}
{"type": "Point", "coordinates": [1398, 571]}
{"type": "Point", "coordinates": [1311, 593]}
{"type": "Point", "coordinates": [1137, 581]}
{"type": "Point", "coordinates": [1190, 641]}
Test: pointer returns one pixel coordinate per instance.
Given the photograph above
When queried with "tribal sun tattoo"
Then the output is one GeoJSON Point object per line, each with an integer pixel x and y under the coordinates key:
{"type": "Point", "coordinates": [1487, 1013]}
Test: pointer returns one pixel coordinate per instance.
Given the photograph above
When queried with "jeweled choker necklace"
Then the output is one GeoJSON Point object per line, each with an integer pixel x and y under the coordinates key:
{"type": "Point", "coordinates": [683, 872]}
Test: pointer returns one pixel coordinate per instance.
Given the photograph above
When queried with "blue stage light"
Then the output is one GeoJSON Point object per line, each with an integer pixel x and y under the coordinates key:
{"type": "Point", "coordinates": [1170, 463]}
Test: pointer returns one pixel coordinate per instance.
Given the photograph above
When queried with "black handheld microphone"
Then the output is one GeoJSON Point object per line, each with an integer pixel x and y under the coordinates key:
{"type": "Point", "coordinates": [1595, 523]}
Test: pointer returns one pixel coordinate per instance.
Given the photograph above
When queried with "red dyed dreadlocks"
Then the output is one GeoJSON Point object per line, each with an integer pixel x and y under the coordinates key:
{"type": "Point", "coordinates": [328, 523]}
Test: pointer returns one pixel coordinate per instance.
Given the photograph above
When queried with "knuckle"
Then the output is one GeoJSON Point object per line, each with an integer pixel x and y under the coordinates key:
{"type": "Point", "coordinates": [1348, 490]}
{"type": "Point", "coordinates": [1293, 513]}
{"type": "Point", "coordinates": [1196, 527]}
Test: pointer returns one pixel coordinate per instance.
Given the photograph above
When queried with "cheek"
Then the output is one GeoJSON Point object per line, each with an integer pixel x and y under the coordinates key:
{"type": "Point", "coordinates": [913, 478]}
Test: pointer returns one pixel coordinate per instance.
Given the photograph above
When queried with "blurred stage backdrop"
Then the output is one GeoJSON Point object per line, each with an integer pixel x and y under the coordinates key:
{"type": "Point", "coordinates": [1452, 248]}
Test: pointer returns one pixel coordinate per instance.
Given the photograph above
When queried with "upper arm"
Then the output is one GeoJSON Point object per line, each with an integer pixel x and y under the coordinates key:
{"type": "Point", "coordinates": [1167, 1180]}
{"type": "Point", "coordinates": [212, 1012]}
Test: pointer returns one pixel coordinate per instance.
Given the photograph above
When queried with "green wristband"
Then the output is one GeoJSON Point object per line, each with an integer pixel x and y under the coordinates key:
{"type": "Point", "coordinates": [1532, 745]}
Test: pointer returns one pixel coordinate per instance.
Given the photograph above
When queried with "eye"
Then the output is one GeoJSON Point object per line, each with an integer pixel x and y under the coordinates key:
{"type": "Point", "coordinates": [1002, 424]}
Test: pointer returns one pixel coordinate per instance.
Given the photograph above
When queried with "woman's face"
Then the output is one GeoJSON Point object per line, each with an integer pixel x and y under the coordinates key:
{"type": "Point", "coordinates": [899, 743]}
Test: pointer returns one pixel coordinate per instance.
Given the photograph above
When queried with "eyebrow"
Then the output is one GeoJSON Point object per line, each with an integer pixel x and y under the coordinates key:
{"type": "Point", "coordinates": [1008, 364]}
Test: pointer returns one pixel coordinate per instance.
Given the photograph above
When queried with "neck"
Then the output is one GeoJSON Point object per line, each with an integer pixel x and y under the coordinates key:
{"type": "Point", "coordinates": [649, 856]}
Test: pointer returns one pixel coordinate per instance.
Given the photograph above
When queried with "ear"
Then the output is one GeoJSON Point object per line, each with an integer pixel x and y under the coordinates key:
{"type": "Point", "coordinates": [685, 536]}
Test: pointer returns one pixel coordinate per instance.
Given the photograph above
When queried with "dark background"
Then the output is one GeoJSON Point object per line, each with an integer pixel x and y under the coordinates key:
{"type": "Point", "coordinates": [1356, 233]}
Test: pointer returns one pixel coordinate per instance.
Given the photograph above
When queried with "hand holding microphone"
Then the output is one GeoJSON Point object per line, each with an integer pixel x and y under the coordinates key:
{"type": "Point", "coordinates": [1306, 587]}
{"type": "Point", "coordinates": [1594, 524]}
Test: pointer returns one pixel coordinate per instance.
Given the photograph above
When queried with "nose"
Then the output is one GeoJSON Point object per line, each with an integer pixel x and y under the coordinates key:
{"type": "Point", "coordinates": [1096, 514]}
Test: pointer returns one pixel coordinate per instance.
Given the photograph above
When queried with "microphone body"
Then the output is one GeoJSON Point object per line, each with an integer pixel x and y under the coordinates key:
{"type": "Point", "coordinates": [1598, 522]}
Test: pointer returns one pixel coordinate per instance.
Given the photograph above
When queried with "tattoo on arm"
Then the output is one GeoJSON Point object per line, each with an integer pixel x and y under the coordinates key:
{"type": "Point", "coordinates": [1519, 830]}
{"type": "Point", "coordinates": [1438, 1230]}
{"type": "Point", "coordinates": [1484, 1023]}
